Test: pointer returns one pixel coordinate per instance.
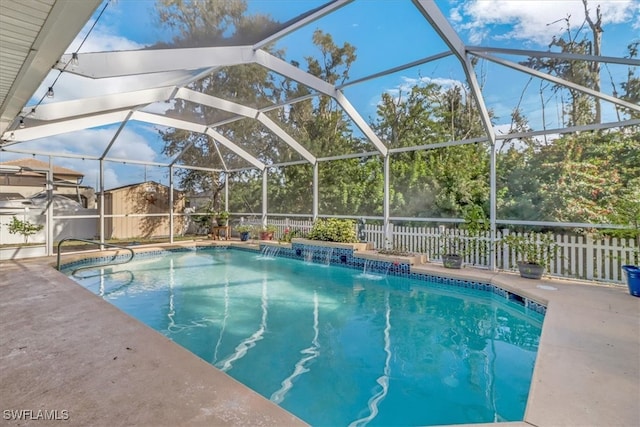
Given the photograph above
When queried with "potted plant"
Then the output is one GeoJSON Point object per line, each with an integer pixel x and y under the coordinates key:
{"type": "Point", "coordinates": [453, 247]}
{"type": "Point", "coordinates": [222, 218]}
{"type": "Point", "coordinates": [450, 244]}
{"type": "Point", "coordinates": [289, 234]}
{"type": "Point", "coordinates": [627, 211]}
{"type": "Point", "coordinates": [632, 275]}
{"type": "Point", "coordinates": [245, 231]}
{"type": "Point", "coordinates": [267, 231]}
{"type": "Point", "coordinates": [534, 251]}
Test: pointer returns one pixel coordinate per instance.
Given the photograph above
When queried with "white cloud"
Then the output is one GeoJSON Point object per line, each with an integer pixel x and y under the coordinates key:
{"type": "Point", "coordinates": [92, 143]}
{"type": "Point", "coordinates": [535, 21]}
{"type": "Point", "coordinates": [101, 39]}
{"type": "Point", "coordinates": [111, 179]}
{"type": "Point", "coordinates": [407, 83]}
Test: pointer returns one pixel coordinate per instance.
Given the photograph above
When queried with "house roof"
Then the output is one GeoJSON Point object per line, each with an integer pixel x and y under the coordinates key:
{"type": "Point", "coordinates": [40, 165]}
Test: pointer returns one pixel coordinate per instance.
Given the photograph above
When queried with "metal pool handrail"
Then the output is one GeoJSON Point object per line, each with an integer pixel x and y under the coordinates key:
{"type": "Point", "coordinates": [111, 245]}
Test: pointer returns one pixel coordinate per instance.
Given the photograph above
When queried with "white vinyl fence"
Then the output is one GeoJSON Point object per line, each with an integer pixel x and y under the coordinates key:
{"type": "Point", "coordinates": [578, 256]}
{"type": "Point", "coordinates": [64, 225]}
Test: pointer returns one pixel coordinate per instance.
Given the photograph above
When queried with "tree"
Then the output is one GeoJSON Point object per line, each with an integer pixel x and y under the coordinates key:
{"type": "Point", "coordinates": [594, 66]}
{"type": "Point", "coordinates": [575, 178]}
{"type": "Point", "coordinates": [582, 108]}
{"type": "Point", "coordinates": [627, 212]}
{"type": "Point", "coordinates": [215, 23]}
{"type": "Point", "coordinates": [631, 86]}
{"type": "Point", "coordinates": [437, 182]}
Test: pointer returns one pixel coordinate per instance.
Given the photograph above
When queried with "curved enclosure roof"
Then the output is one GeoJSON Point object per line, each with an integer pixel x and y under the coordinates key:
{"type": "Point", "coordinates": [237, 77]}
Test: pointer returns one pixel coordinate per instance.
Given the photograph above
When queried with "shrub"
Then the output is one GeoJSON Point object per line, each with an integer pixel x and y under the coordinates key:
{"type": "Point", "coordinates": [334, 230]}
{"type": "Point", "coordinates": [290, 234]}
{"type": "Point", "coordinates": [244, 228]}
{"type": "Point", "coordinates": [26, 228]}
{"type": "Point", "coordinates": [533, 248]}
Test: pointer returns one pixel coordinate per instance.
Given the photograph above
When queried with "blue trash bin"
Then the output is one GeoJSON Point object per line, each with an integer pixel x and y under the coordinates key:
{"type": "Point", "coordinates": [632, 273]}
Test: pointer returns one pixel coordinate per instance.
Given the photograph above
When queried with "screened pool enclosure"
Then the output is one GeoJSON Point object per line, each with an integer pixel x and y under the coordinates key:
{"type": "Point", "coordinates": [410, 116]}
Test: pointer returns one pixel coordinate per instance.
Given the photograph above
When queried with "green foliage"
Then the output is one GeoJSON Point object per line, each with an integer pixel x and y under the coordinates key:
{"type": "Point", "coordinates": [26, 228]}
{"type": "Point", "coordinates": [437, 182]}
{"type": "Point", "coordinates": [244, 228]}
{"type": "Point", "coordinates": [475, 220]}
{"type": "Point", "coordinates": [574, 178]}
{"type": "Point", "coordinates": [291, 234]}
{"type": "Point", "coordinates": [454, 242]}
{"type": "Point", "coordinates": [223, 215]}
{"type": "Point", "coordinates": [534, 248]}
{"type": "Point", "coordinates": [202, 220]}
{"type": "Point", "coordinates": [334, 230]}
{"type": "Point", "coordinates": [394, 252]}
{"type": "Point", "coordinates": [450, 242]}
{"type": "Point", "coordinates": [268, 228]}
{"type": "Point", "coordinates": [625, 210]}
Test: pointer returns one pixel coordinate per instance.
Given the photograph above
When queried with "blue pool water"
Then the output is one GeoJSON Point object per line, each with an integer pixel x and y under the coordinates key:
{"type": "Point", "coordinates": [331, 345]}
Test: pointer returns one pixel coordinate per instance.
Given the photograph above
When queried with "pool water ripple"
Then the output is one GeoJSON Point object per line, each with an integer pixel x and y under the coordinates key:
{"type": "Point", "coordinates": [334, 347]}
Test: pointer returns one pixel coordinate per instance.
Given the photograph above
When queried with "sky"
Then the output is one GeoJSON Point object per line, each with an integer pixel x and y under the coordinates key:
{"type": "Point", "coordinates": [386, 34]}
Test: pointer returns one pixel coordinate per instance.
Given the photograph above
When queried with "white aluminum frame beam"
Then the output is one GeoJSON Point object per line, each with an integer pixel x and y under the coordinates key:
{"type": "Point", "coordinates": [195, 127]}
{"type": "Point", "coordinates": [560, 81]}
{"type": "Point", "coordinates": [236, 149]}
{"type": "Point", "coordinates": [215, 102]}
{"type": "Point", "coordinates": [305, 20]}
{"type": "Point", "coordinates": [284, 68]}
{"type": "Point", "coordinates": [87, 106]}
{"type": "Point", "coordinates": [48, 153]}
{"type": "Point", "coordinates": [581, 128]}
{"type": "Point", "coordinates": [561, 55]}
{"type": "Point", "coordinates": [232, 107]}
{"type": "Point", "coordinates": [65, 126]}
{"type": "Point", "coordinates": [117, 134]}
{"type": "Point", "coordinates": [280, 133]}
{"type": "Point", "coordinates": [112, 64]}
{"type": "Point", "coordinates": [168, 122]}
{"type": "Point", "coordinates": [134, 62]}
{"type": "Point", "coordinates": [64, 21]}
{"type": "Point", "coordinates": [402, 67]}
{"type": "Point", "coordinates": [432, 13]}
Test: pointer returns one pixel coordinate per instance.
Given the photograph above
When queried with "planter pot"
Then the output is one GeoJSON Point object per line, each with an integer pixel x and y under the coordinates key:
{"type": "Point", "coordinates": [530, 270]}
{"type": "Point", "coordinates": [452, 261]}
{"type": "Point", "coordinates": [266, 235]}
{"type": "Point", "coordinates": [244, 236]}
{"type": "Point", "coordinates": [632, 275]}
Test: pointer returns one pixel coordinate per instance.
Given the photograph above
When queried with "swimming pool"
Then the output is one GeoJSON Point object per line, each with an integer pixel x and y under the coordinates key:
{"type": "Point", "coordinates": [334, 346]}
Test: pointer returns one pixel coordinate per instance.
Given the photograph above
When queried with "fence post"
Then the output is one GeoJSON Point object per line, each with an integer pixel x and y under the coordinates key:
{"type": "Point", "coordinates": [388, 238]}
{"type": "Point", "coordinates": [506, 251]}
{"type": "Point", "coordinates": [589, 258]}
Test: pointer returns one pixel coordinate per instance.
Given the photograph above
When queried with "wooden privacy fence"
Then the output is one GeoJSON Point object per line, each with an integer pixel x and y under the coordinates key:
{"type": "Point", "coordinates": [577, 256]}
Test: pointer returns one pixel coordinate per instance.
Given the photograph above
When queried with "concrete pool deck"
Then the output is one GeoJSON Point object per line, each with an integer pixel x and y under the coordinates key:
{"type": "Point", "coordinates": [62, 348]}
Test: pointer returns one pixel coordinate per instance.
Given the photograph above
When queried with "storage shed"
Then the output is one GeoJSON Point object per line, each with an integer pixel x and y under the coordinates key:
{"type": "Point", "coordinates": [141, 210]}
